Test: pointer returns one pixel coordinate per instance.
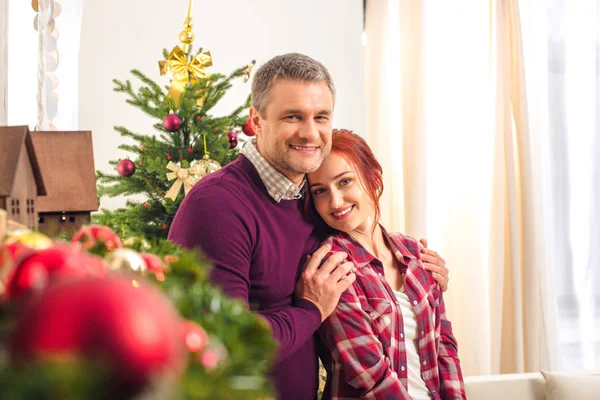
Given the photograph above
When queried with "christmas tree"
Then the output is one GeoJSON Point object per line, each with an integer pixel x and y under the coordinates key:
{"type": "Point", "coordinates": [190, 142]}
{"type": "Point", "coordinates": [123, 312]}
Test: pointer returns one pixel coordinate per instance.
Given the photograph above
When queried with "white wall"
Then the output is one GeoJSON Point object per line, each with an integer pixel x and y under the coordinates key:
{"type": "Point", "coordinates": [3, 61]}
{"type": "Point", "coordinates": [119, 35]}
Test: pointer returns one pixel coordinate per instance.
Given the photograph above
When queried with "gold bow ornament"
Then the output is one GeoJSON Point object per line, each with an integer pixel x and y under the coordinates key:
{"type": "Point", "coordinates": [185, 72]}
{"type": "Point", "coordinates": [186, 177]}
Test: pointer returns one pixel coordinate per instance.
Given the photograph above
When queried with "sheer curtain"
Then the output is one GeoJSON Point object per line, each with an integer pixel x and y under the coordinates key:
{"type": "Point", "coordinates": [59, 88]}
{"type": "Point", "coordinates": [447, 115]}
{"type": "Point", "coordinates": [562, 65]}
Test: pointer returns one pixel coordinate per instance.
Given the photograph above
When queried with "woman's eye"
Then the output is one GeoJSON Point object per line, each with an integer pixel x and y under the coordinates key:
{"type": "Point", "coordinates": [345, 181]}
{"type": "Point", "coordinates": [318, 192]}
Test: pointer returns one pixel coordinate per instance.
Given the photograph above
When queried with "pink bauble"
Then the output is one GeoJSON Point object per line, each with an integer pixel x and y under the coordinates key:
{"type": "Point", "coordinates": [125, 168]}
{"type": "Point", "coordinates": [172, 123]}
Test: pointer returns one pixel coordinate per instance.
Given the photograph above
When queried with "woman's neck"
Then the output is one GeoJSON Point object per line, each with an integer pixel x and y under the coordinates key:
{"type": "Point", "coordinates": [372, 240]}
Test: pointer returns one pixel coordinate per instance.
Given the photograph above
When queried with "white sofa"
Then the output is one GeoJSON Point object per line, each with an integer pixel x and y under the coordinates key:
{"type": "Point", "coordinates": [506, 387]}
{"type": "Point", "coordinates": [532, 386]}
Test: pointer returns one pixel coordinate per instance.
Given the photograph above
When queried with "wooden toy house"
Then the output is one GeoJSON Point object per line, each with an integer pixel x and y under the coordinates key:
{"type": "Point", "coordinates": [47, 179]}
{"type": "Point", "coordinates": [66, 161]}
{"type": "Point", "coordinates": [21, 182]}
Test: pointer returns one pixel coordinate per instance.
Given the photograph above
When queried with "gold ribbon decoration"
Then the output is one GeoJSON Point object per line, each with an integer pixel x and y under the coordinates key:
{"type": "Point", "coordinates": [248, 70]}
{"type": "Point", "coordinates": [185, 72]}
{"type": "Point", "coordinates": [184, 176]}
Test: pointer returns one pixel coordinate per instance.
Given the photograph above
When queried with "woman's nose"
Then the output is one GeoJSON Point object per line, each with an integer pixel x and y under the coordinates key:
{"type": "Point", "coordinates": [336, 200]}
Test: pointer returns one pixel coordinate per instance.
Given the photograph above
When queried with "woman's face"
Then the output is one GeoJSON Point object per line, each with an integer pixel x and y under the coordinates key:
{"type": "Point", "coordinates": [339, 196]}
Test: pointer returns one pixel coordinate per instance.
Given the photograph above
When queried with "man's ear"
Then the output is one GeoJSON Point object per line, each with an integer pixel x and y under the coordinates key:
{"type": "Point", "coordinates": [255, 119]}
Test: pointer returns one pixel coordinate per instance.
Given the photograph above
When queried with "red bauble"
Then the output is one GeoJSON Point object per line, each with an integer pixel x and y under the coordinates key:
{"type": "Point", "coordinates": [172, 123]}
{"type": "Point", "coordinates": [134, 330]}
{"type": "Point", "coordinates": [194, 337]}
{"type": "Point", "coordinates": [146, 205]}
{"type": "Point", "coordinates": [233, 143]}
{"type": "Point", "coordinates": [153, 262]}
{"type": "Point", "coordinates": [92, 235]}
{"type": "Point", "coordinates": [126, 168]}
{"type": "Point", "coordinates": [198, 118]}
{"type": "Point", "coordinates": [12, 252]}
{"type": "Point", "coordinates": [164, 226]}
{"type": "Point", "coordinates": [248, 129]}
{"type": "Point", "coordinates": [191, 150]}
{"type": "Point", "coordinates": [57, 263]}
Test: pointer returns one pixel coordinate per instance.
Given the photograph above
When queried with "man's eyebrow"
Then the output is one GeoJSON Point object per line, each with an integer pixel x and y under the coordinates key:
{"type": "Point", "coordinates": [296, 111]}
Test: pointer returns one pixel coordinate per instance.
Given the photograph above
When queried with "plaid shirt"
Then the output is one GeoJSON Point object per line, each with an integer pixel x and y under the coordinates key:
{"type": "Point", "coordinates": [366, 355]}
{"type": "Point", "coordinates": [278, 186]}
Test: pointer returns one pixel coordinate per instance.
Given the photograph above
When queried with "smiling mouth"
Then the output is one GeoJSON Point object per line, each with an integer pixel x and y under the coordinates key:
{"type": "Point", "coordinates": [341, 214]}
{"type": "Point", "coordinates": [304, 148]}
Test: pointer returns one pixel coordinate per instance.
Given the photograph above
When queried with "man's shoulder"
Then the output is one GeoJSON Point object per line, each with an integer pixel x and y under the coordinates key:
{"type": "Point", "coordinates": [233, 181]}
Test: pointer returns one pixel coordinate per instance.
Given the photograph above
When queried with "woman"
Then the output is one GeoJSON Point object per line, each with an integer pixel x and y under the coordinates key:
{"type": "Point", "coordinates": [389, 337]}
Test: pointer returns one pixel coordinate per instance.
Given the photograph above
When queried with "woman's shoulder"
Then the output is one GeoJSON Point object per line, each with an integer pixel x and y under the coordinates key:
{"type": "Point", "coordinates": [408, 245]}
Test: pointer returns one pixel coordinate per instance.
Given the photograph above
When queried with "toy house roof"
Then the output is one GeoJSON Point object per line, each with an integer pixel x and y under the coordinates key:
{"type": "Point", "coordinates": [67, 163]}
{"type": "Point", "coordinates": [11, 144]}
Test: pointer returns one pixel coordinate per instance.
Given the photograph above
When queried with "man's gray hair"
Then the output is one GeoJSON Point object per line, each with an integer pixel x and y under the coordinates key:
{"type": "Point", "coordinates": [291, 66]}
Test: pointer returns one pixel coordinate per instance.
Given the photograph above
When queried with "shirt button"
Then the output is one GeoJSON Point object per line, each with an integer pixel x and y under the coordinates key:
{"type": "Point", "coordinates": [401, 335]}
{"type": "Point", "coordinates": [402, 368]}
{"type": "Point", "coordinates": [415, 302]}
{"type": "Point", "coordinates": [422, 333]}
{"type": "Point", "coordinates": [424, 362]}
{"type": "Point", "coordinates": [379, 273]}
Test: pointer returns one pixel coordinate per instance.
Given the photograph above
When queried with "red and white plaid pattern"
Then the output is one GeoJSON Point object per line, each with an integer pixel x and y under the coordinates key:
{"type": "Point", "coordinates": [365, 354]}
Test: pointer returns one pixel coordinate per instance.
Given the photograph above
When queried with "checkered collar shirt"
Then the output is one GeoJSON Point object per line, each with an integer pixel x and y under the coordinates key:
{"type": "Point", "coordinates": [365, 352]}
{"type": "Point", "coordinates": [278, 186]}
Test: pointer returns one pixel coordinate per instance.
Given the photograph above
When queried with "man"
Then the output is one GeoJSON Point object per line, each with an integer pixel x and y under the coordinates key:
{"type": "Point", "coordinates": [248, 218]}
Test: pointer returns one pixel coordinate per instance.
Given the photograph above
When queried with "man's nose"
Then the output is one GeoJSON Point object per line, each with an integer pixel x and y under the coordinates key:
{"type": "Point", "coordinates": [309, 131]}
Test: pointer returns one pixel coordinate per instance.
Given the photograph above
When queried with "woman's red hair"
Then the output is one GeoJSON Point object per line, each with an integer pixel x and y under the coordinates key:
{"type": "Point", "coordinates": [357, 152]}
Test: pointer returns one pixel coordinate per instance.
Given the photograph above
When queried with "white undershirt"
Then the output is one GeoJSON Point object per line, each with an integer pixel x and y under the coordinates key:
{"type": "Point", "coordinates": [416, 386]}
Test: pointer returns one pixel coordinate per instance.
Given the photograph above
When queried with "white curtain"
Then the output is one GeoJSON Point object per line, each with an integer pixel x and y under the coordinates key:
{"type": "Point", "coordinates": [447, 116]}
{"type": "Point", "coordinates": [47, 97]}
{"type": "Point", "coordinates": [562, 68]}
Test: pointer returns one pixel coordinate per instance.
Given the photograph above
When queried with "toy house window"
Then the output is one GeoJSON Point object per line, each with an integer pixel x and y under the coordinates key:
{"type": "Point", "coordinates": [41, 220]}
{"type": "Point", "coordinates": [30, 208]}
{"type": "Point", "coordinates": [71, 219]}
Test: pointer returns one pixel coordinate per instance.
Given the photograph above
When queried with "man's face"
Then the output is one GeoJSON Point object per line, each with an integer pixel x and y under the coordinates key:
{"type": "Point", "coordinates": [294, 135]}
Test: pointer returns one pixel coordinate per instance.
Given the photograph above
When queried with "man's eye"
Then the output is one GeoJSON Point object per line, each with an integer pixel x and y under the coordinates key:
{"type": "Point", "coordinates": [291, 117]}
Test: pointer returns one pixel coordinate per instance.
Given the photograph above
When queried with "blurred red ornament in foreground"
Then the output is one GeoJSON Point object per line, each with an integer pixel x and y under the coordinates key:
{"type": "Point", "coordinates": [194, 336]}
{"type": "Point", "coordinates": [11, 252]}
{"type": "Point", "coordinates": [39, 269]}
{"type": "Point", "coordinates": [134, 330]}
{"type": "Point", "coordinates": [91, 235]}
{"type": "Point", "coordinates": [153, 262]}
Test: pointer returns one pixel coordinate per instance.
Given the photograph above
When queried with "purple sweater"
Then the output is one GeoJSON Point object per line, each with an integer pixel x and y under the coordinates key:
{"type": "Point", "coordinates": [257, 247]}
